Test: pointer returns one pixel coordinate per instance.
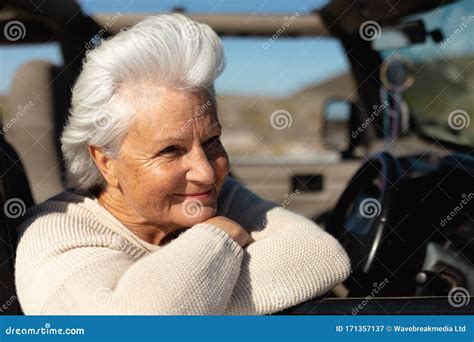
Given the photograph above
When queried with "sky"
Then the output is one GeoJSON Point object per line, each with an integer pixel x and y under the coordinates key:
{"type": "Point", "coordinates": [287, 65]}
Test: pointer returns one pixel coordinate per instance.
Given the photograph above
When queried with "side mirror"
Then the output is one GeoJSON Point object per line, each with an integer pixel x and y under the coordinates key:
{"type": "Point", "coordinates": [337, 114]}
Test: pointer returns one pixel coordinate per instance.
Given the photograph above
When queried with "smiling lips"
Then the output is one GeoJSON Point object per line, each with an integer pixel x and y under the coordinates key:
{"type": "Point", "coordinates": [201, 196]}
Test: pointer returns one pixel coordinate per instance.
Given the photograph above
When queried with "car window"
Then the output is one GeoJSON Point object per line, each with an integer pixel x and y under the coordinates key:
{"type": "Point", "coordinates": [441, 94]}
{"type": "Point", "coordinates": [272, 93]}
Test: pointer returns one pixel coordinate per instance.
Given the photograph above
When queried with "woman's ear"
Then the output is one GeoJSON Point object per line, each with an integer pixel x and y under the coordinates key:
{"type": "Point", "coordinates": [105, 164]}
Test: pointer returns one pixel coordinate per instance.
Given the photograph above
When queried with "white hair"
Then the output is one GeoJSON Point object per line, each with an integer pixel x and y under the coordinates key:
{"type": "Point", "coordinates": [170, 49]}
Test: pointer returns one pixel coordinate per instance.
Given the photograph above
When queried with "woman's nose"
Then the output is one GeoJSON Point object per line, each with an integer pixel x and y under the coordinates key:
{"type": "Point", "coordinates": [200, 169]}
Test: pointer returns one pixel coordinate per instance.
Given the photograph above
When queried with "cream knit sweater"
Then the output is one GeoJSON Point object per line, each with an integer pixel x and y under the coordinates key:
{"type": "Point", "coordinates": [74, 257]}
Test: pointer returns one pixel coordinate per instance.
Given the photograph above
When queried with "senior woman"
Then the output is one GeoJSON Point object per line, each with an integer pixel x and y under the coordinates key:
{"type": "Point", "coordinates": [151, 223]}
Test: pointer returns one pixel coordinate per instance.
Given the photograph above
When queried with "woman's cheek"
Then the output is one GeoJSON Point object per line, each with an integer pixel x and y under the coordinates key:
{"type": "Point", "coordinates": [221, 169]}
{"type": "Point", "coordinates": [160, 191]}
{"type": "Point", "coordinates": [168, 177]}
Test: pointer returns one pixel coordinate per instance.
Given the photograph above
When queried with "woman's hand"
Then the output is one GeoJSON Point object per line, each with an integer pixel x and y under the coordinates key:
{"type": "Point", "coordinates": [235, 230]}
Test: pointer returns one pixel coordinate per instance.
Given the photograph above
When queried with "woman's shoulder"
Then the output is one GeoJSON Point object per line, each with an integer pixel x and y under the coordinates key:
{"type": "Point", "coordinates": [67, 218]}
{"type": "Point", "coordinates": [67, 205]}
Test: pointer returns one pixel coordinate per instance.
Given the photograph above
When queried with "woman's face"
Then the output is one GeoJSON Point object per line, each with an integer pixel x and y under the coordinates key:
{"type": "Point", "coordinates": [172, 165]}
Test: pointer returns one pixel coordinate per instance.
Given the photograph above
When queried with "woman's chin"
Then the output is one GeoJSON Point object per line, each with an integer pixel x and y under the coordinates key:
{"type": "Point", "coordinates": [190, 219]}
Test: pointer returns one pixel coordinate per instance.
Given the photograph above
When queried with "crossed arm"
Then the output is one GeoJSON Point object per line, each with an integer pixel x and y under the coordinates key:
{"type": "Point", "coordinates": [203, 271]}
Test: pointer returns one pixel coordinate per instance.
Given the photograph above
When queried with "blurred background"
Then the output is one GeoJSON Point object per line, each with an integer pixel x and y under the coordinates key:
{"type": "Point", "coordinates": [262, 74]}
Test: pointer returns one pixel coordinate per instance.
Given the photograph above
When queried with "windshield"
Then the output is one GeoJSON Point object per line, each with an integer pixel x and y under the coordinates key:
{"type": "Point", "coordinates": [441, 97]}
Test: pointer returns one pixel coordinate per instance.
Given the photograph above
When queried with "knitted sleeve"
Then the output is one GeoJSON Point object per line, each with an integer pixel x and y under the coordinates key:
{"type": "Point", "coordinates": [291, 261]}
{"type": "Point", "coordinates": [85, 272]}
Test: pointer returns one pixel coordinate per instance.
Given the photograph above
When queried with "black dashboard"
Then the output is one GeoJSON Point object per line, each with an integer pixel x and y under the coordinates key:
{"type": "Point", "coordinates": [422, 240]}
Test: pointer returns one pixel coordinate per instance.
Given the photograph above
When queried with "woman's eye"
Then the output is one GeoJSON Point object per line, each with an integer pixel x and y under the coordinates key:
{"type": "Point", "coordinates": [214, 142]}
{"type": "Point", "coordinates": [171, 150]}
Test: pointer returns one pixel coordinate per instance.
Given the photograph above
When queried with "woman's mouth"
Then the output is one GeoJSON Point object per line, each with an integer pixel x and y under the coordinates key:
{"type": "Point", "coordinates": [200, 196]}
